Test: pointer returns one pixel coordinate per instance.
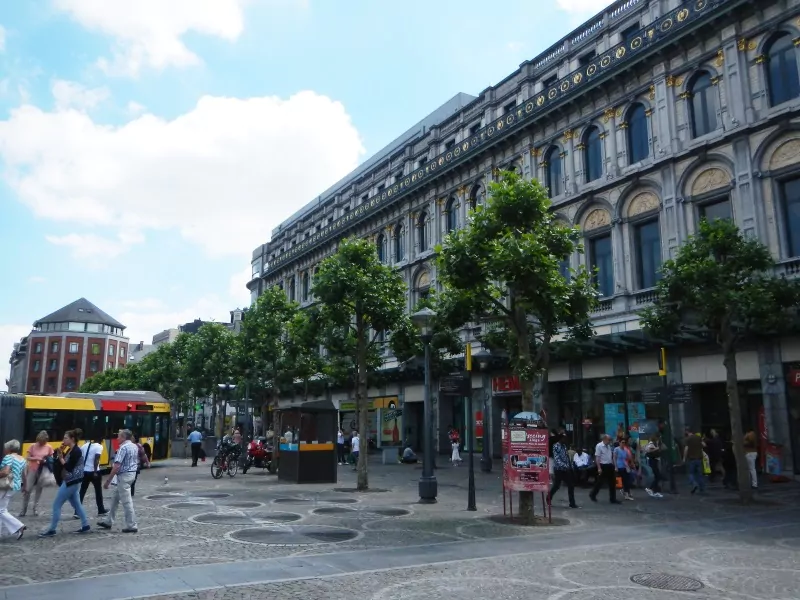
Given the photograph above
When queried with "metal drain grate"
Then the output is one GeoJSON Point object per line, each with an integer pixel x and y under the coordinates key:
{"type": "Point", "coordinates": [665, 581]}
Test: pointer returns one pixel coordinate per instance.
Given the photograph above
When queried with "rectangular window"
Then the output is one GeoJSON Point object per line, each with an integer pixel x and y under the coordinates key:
{"type": "Point", "coordinates": [602, 261]}
{"type": "Point", "coordinates": [34, 384]}
{"type": "Point", "coordinates": [70, 384]}
{"type": "Point", "coordinates": [717, 209]}
{"type": "Point", "coordinates": [474, 129]}
{"type": "Point", "coordinates": [51, 383]}
{"type": "Point", "coordinates": [73, 347]}
{"type": "Point", "coordinates": [53, 365]}
{"type": "Point", "coordinates": [72, 365]}
{"type": "Point", "coordinates": [563, 268]}
{"type": "Point", "coordinates": [37, 365]}
{"type": "Point", "coordinates": [76, 326]}
{"type": "Point", "coordinates": [448, 145]}
{"type": "Point", "coordinates": [791, 215]}
{"type": "Point", "coordinates": [630, 32]}
{"type": "Point", "coordinates": [510, 107]}
{"type": "Point", "coordinates": [94, 366]}
{"type": "Point", "coordinates": [37, 349]}
{"type": "Point", "coordinates": [110, 350]}
{"type": "Point", "coordinates": [53, 347]}
{"type": "Point", "coordinates": [550, 81]}
{"type": "Point", "coordinates": [122, 352]}
{"type": "Point", "coordinates": [95, 349]}
{"type": "Point", "coordinates": [110, 365]}
{"type": "Point", "coordinates": [648, 247]}
{"type": "Point", "coordinates": [587, 58]}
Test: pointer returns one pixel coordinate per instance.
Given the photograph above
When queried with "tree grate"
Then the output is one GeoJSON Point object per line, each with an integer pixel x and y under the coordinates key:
{"type": "Point", "coordinates": [665, 581]}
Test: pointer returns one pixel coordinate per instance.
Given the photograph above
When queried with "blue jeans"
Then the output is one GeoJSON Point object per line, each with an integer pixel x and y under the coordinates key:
{"type": "Point", "coordinates": [68, 493]}
{"type": "Point", "coordinates": [696, 477]}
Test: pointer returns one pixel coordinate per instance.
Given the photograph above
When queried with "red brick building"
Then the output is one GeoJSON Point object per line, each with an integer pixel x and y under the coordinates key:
{"type": "Point", "coordinates": [70, 345]}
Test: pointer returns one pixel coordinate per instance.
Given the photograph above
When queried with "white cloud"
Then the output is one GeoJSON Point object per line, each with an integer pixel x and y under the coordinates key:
{"type": "Point", "coordinates": [9, 335]}
{"type": "Point", "coordinates": [148, 33]}
{"type": "Point", "coordinates": [583, 7]}
{"type": "Point", "coordinates": [135, 109]}
{"type": "Point", "coordinates": [2, 38]}
{"type": "Point", "coordinates": [237, 287]}
{"type": "Point", "coordinates": [94, 250]}
{"type": "Point", "coordinates": [69, 94]}
{"type": "Point", "coordinates": [223, 174]}
{"type": "Point", "coordinates": [36, 279]}
{"type": "Point", "coordinates": [152, 316]}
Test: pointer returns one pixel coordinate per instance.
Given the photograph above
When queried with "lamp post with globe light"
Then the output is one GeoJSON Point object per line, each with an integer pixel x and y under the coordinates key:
{"type": "Point", "coordinates": [428, 486]}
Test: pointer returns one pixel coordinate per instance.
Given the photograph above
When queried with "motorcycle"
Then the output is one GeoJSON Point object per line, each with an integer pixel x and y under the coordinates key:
{"type": "Point", "coordinates": [259, 454]}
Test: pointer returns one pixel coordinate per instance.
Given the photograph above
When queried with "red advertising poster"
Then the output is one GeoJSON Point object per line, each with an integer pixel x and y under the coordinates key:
{"type": "Point", "coordinates": [525, 466]}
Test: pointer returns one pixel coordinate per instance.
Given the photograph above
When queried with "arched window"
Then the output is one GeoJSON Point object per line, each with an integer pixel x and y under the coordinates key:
{"type": "Point", "coordinates": [554, 175]}
{"type": "Point", "coordinates": [451, 215]}
{"type": "Point", "coordinates": [399, 243]}
{"type": "Point", "coordinates": [704, 105]}
{"type": "Point", "coordinates": [422, 231]}
{"type": "Point", "coordinates": [292, 289]}
{"type": "Point", "coordinates": [593, 154]}
{"type": "Point", "coordinates": [422, 285]}
{"type": "Point", "coordinates": [783, 80]}
{"type": "Point", "coordinates": [380, 243]}
{"type": "Point", "coordinates": [476, 197]}
{"type": "Point", "coordinates": [306, 286]}
{"type": "Point", "coordinates": [638, 146]}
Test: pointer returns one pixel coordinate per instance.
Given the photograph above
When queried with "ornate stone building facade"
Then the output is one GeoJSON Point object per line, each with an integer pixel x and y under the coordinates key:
{"type": "Point", "coordinates": [651, 116]}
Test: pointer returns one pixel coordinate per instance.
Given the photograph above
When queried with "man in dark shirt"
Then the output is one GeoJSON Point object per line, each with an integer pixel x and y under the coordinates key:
{"type": "Point", "coordinates": [693, 457]}
{"type": "Point", "coordinates": [562, 470]}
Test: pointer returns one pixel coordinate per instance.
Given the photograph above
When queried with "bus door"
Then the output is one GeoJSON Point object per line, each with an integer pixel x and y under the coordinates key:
{"type": "Point", "coordinates": [161, 445]}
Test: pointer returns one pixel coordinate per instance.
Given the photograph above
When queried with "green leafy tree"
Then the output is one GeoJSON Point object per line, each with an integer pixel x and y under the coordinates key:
{"type": "Point", "coordinates": [127, 378]}
{"type": "Point", "coordinates": [360, 301]}
{"type": "Point", "coordinates": [504, 268]}
{"type": "Point", "coordinates": [303, 349]}
{"type": "Point", "coordinates": [261, 350]}
{"type": "Point", "coordinates": [724, 283]}
{"type": "Point", "coordinates": [209, 362]}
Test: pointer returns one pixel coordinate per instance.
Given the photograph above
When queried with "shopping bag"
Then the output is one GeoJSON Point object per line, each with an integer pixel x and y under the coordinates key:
{"type": "Point", "coordinates": [706, 464]}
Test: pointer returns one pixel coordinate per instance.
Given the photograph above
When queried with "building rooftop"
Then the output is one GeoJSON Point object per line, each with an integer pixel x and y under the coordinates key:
{"type": "Point", "coordinates": [80, 311]}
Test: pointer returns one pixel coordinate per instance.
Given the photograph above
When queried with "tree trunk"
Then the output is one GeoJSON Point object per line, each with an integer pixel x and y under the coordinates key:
{"type": "Point", "coordinates": [214, 414]}
{"type": "Point", "coordinates": [526, 506]}
{"type": "Point", "coordinates": [737, 433]}
{"type": "Point", "coordinates": [362, 402]}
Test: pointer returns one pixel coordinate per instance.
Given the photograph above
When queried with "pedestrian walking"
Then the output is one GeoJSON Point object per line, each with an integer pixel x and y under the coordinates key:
{"type": "Point", "coordinates": [122, 477]}
{"type": "Point", "coordinates": [39, 472]}
{"type": "Point", "coordinates": [693, 457]}
{"type": "Point", "coordinates": [455, 456]}
{"type": "Point", "coordinates": [624, 466]}
{"type": "Point", "coordinates": [604, 460]}
{"type": "Point", "coordinates": [562, 471]}
{"type": "Point", "coordinates": [652, 453]}
{"type": "Point", "coordinates": [750, 455]}
{"type": "Point", "coordinates": [70, 458]}
{"type": "Point", "coordinates": [12, 480]}
{"type": "Point", "coordinates": [196, 441]}
{"type": "Point", "coordinates": [355, 448]}
{"type": "Point", "coordinates": [340, 446]}
{"type": "Point", "coordinates": [92, 452]}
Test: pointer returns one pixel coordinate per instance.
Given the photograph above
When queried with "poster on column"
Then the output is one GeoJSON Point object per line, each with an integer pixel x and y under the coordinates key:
{"type": "Point", "coordinates": [615, 419]}
{"type": "Point", "coordinates": [525, 466]}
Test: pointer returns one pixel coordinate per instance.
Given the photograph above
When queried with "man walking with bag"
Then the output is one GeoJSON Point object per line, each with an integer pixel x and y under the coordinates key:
{"type": "Point", "coordinates": [604, 459]}
{"type": "Point", "coordinates": [122, 476]}
{"type": "Point", "coordinates": [562, 470]}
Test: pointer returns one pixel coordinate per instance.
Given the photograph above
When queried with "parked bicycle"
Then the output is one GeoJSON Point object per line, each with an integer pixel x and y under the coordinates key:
{"type": "Point", "coordinates": [226, 460]}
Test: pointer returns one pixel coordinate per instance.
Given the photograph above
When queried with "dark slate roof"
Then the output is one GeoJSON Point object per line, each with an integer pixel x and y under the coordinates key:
{"type": "Point", "coordinates": [80, 311]}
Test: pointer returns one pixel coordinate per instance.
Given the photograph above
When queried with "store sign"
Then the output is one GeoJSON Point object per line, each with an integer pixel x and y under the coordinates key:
{"type": "Point", "coordinates": [525, 460]}
{"type": "Point", "coordinates": [506, 385]}
{"type": "Point", "coordinates": [455, 384]}
{"type": "Point", "coordinates": [793, 377]}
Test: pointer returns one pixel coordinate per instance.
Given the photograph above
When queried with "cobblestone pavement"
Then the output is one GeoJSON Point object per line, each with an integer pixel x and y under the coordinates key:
{"type": "Point", "coordinates": [192, 519]}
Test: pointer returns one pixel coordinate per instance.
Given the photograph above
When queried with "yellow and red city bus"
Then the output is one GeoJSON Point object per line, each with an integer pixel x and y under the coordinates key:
{"type": "Point", "coordinates": [100, 416]}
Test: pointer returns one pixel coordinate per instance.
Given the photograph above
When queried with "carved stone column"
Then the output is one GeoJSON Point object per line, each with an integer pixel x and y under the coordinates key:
{"type": "Point", "coordinates": [568, 158]}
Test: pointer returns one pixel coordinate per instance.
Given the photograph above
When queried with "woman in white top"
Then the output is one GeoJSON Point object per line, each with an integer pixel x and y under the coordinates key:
{"type": "Point", "coordinates": [92, 451]}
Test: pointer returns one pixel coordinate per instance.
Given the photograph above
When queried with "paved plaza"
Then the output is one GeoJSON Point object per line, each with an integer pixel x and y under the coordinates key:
{"type": "Point", "coordinates": [252, 537]}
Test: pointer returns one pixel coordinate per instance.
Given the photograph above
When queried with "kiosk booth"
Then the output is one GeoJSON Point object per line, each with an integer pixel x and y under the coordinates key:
{"type": "Point", "coordinates": [308, 445]}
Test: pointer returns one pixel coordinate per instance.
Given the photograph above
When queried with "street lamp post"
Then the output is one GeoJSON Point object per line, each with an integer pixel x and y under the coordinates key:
{"type": "Point", "coordinates": [227, 388]}
{"type": "Point", "coordinates": [428, 486]}
{"type": "Point", "coordinates": [482, 357]}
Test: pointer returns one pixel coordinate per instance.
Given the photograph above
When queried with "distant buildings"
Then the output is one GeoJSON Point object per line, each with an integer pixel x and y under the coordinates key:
{"type": "Point", "coordinates": [65, 348]}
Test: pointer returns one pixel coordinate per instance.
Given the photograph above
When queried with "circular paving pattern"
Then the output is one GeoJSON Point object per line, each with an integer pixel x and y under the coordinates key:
{"type": "Point", "coordinates": [665, 581]}
{"type": "Point", "coordinates": [162, 497]}
{"type": "Point", "coordinates": [211, 495]}
{"type": "Point", "coordinates": [390, 512]}
{"type": "Point", "coordinates": [334, 510]}
{"type": "Point", "coordinates": [337, 500]}
{"type": "Point", "coordinates": [357, 491]}
{"type": "Point", "coordinates": [294, 535]}
{"type": "Point", "coordinates": [241, 504]}
{"type": "Point", "coordinates": [186, 505]}
{"type": "Point", "coordinates": [276, 517]}
{"type": "Point", "coordinates": [222, 519]}
{"type": "Point", "coordinates": [539, 521]}
{"type": "Point", "coordinates": [291, 501]}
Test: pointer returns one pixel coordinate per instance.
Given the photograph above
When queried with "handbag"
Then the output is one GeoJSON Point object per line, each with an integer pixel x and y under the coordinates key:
{"type": "Point", "coordinates": [6, 483]}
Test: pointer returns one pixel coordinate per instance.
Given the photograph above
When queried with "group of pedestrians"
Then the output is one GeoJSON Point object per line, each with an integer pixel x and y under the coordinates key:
{"type": "Point", "coordinates": [72, 468]}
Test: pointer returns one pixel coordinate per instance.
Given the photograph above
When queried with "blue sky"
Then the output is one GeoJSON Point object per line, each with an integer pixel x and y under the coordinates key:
{"type": "Point", "coordinates": [146, 148]}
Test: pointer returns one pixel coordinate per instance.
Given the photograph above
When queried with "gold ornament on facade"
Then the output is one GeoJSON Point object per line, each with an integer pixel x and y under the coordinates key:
{"type": "Point", "coordinates": [716, 80]}
{"type": "Point", "coordinates": [536, 151]}
{"type": "Point", "coordinates": [652, 92]}
{"type": "Point", "coordinates": [599, 217]}
{"type": "Point", "coordinates": [622, 125]}
{"type": "Point", "coordinates": [462, 190]}
{"type": "Point", "coordinates": [568, 134]}
{"type": "Point", "coordinates": [796, 41]}
{"type": "Point", "coordinates": [788, 153]}
{"type": "Point", "coordinates": [643, 203]}
{"type": "Point", "coordinates": [670, 81]}
{"type": "Point", "coordinates": [720, 58]}
{"type": "Point", "coordinates": [440, 201]}
{"type": "Point", "coordinates": [608, 114]}
{"type": "Point", "coordinates": [682, 15]}
{"type": "Point", "coordinates": [581, 146]}
{"type": "Point", "coordinates": [619, 112]}
{"type": "Point", "coordinates": [685, 95]}
{"type": "Point", "coordinates": [761, 58]}
{"type": "Point", "coordinates": [495, 172]}
{"type": "Point", "coordinates": [710, 180]}
{"type": "Point", "coordinates": [648, 112]}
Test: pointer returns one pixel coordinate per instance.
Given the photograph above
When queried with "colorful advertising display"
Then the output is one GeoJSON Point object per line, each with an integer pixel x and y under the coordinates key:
{"type": "Point", "coordinates": [525, 459]}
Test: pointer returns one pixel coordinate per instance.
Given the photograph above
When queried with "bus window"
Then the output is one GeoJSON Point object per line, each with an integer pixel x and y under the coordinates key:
{"type": "Point", "coordinates": [147, 427]}
{"type": "Point", "coordinates": [56, 423]}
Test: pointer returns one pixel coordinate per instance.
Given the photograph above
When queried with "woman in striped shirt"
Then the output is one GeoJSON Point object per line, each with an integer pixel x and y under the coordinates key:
{"type": "Point", "coordinates": [13, 467]}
